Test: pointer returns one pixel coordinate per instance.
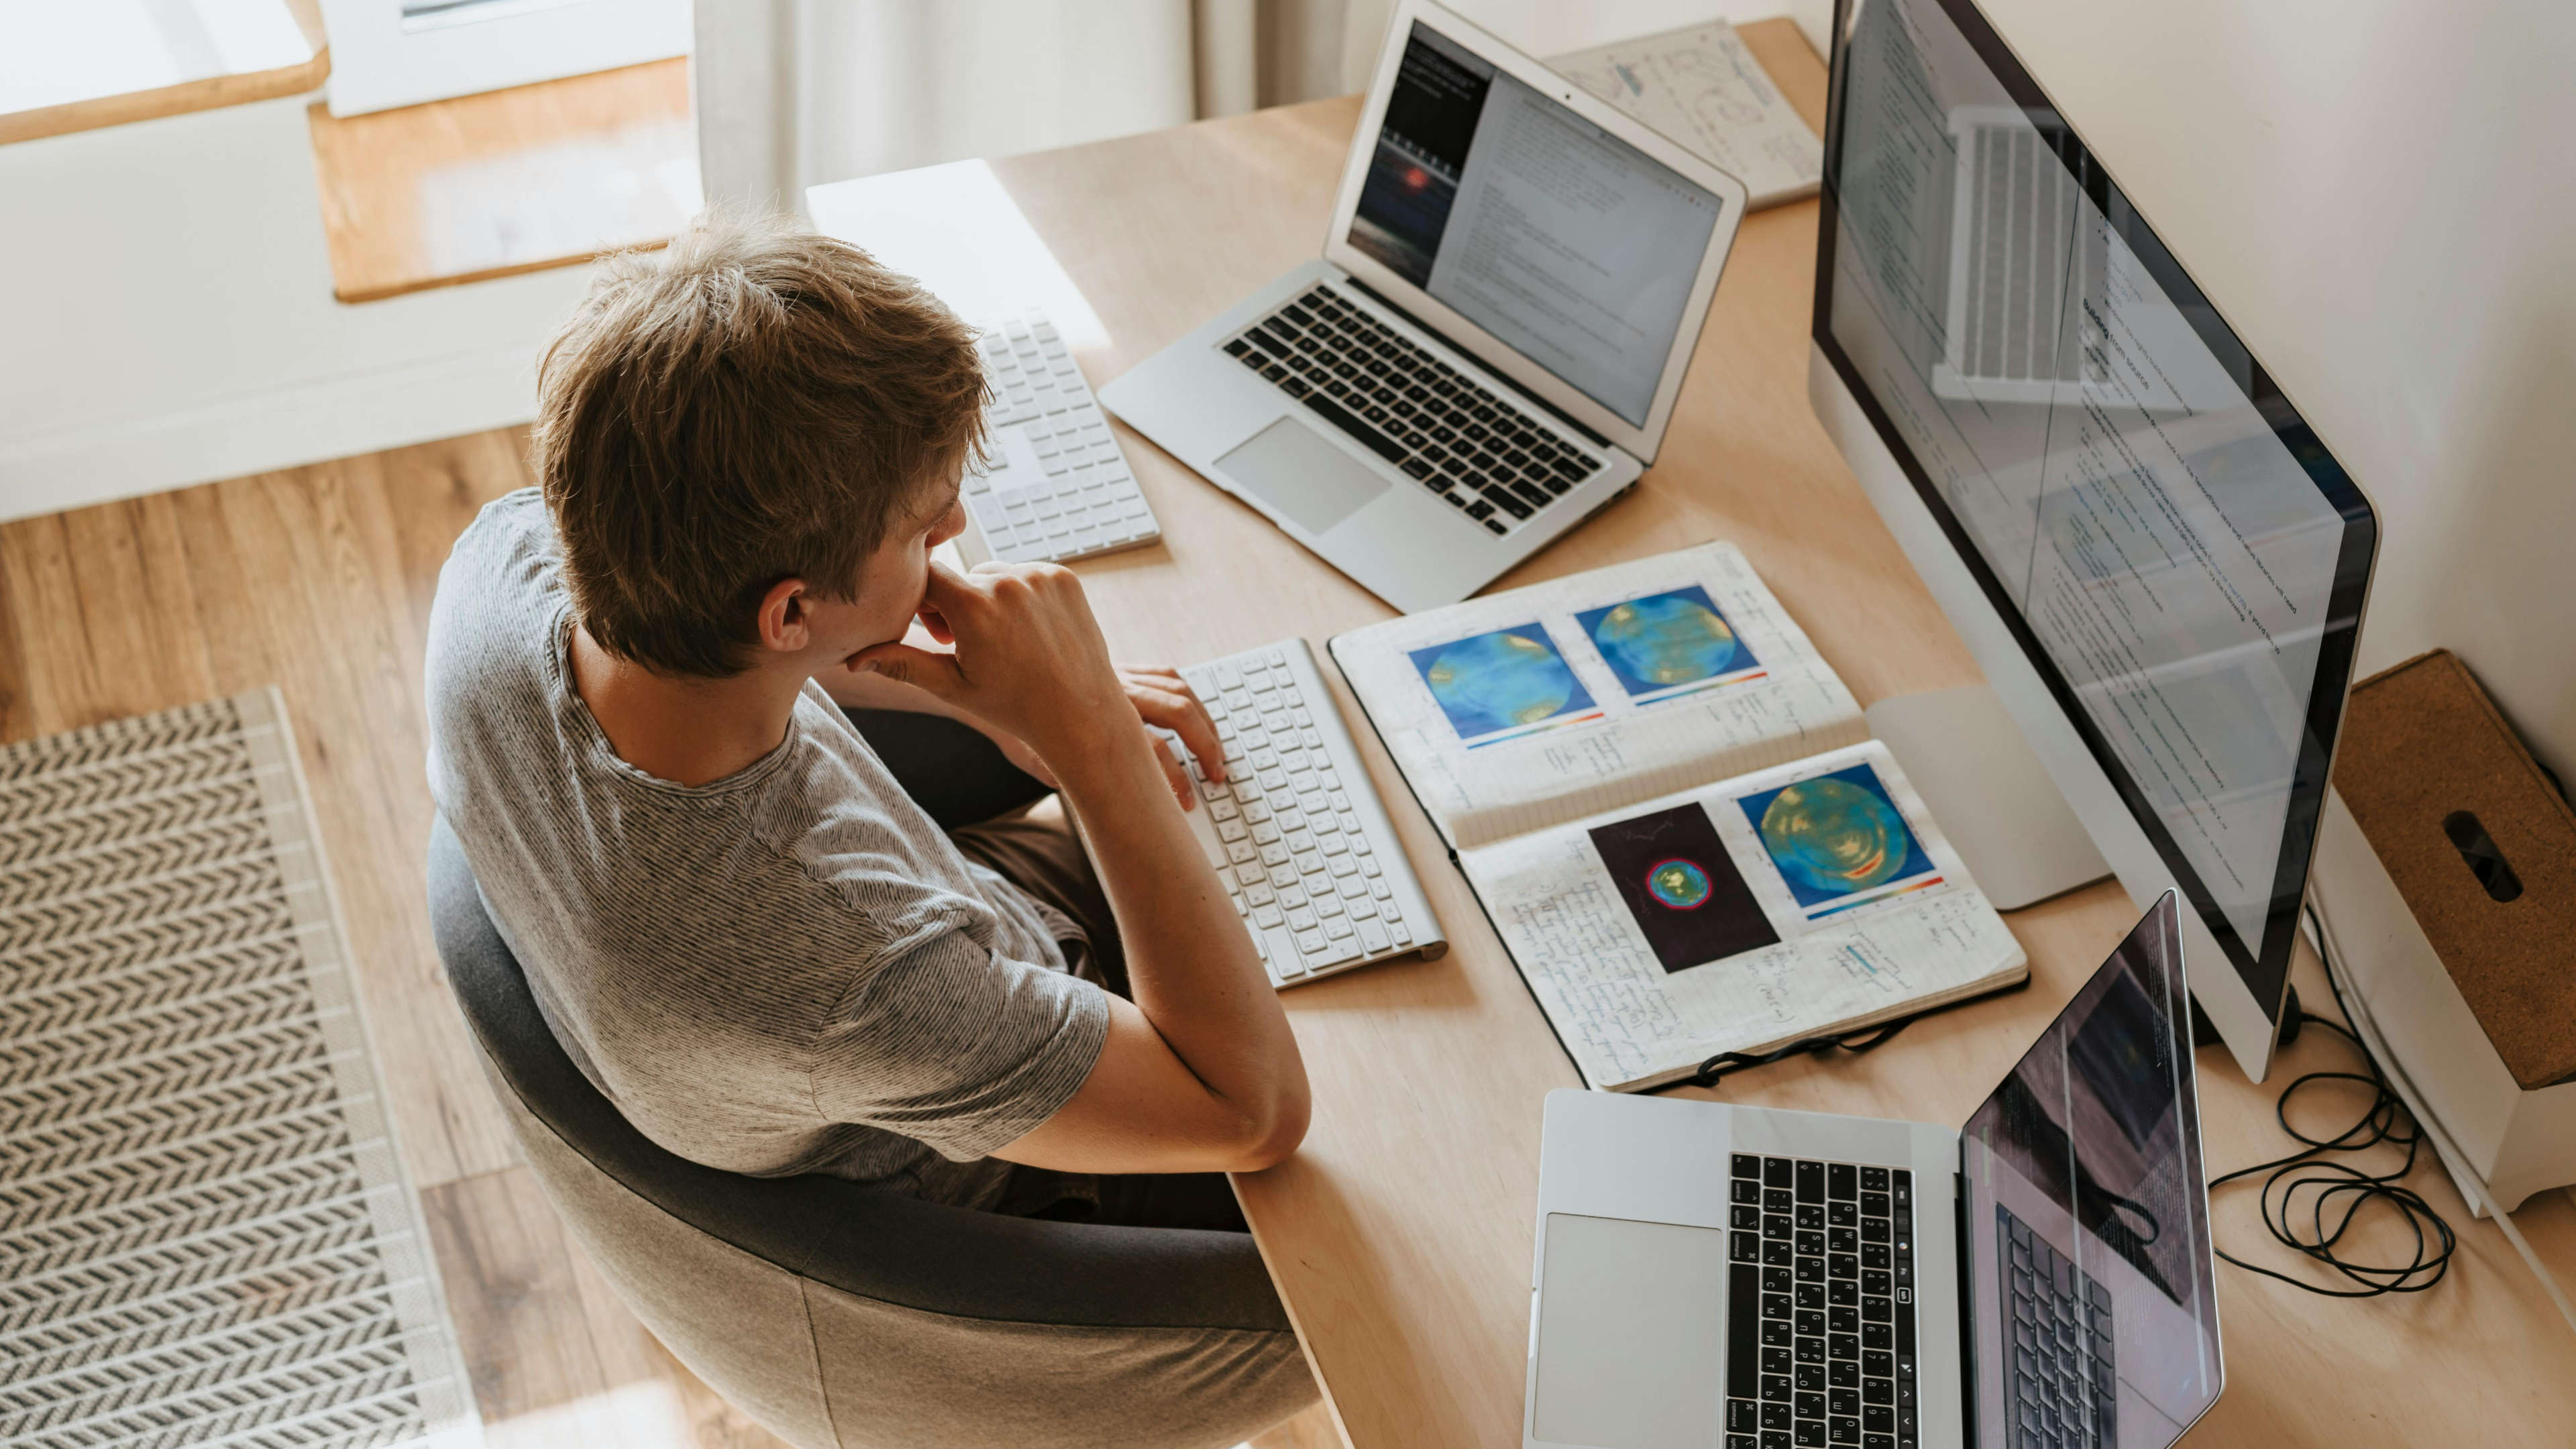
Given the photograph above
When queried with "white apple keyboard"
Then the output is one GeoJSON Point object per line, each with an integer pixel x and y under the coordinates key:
{"type": "Point", "coordinates": [1296, 829]}
{"type": "Point", "coordinates": [1057, 487]}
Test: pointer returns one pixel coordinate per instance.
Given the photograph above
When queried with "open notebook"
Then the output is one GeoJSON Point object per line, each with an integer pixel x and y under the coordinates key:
{"type": "Point", "coordinates": [1671, 809]}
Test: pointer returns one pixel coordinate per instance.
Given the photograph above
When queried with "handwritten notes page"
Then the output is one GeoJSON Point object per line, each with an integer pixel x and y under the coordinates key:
{"type": "Point", "coordinates": [1801, 900]}
{"type": "Point", "coordinates": [1701, 87]}
{"type": "Point", "coordinates": [1524, 709]}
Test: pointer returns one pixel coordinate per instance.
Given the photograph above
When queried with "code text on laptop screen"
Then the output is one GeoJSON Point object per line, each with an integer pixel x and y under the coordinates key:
{"type": "Point", "coordinates": [1568, 244]}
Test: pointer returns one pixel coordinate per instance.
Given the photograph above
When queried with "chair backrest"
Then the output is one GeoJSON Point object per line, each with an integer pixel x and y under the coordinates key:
{"type": "Point", "coordinates": [844, 1317]}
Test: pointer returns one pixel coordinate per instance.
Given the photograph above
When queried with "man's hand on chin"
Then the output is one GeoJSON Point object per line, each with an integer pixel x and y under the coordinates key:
{"type": "Point", "coordinates": [1164, 704]}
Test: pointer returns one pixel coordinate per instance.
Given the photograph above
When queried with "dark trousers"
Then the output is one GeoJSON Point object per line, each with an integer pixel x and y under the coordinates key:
{"type": "Point", "coordinates": [965, 783]}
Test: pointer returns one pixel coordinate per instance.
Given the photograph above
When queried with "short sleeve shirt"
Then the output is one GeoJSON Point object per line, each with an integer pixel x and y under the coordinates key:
{"type": "Point", "coordinates": [788, 970]}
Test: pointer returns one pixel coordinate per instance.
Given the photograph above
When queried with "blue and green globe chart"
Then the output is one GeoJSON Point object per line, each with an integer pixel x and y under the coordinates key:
{"type": "Point", "coordinates": [1835, 835]}
{"type": "Point", "coordinates": [1504, 681]}
{"type": "Point", "coordinates": [1665, 641]}
{"type": "Point", "coordinates": [1678, 883]}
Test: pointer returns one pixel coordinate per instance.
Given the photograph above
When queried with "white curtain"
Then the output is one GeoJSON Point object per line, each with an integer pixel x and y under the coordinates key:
{"type": "Point", "coordinates": [794, 92]}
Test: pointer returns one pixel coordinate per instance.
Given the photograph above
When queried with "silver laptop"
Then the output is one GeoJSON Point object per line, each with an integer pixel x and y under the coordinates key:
{"type": "Point", "coordinates": [1489, 348]}
{"type": "Point", "coordinates": [1717, 1277]}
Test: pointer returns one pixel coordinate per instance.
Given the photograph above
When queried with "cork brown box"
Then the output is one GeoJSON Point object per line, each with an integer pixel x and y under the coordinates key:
{"type": "Point", "coordinates": [2423, 743]}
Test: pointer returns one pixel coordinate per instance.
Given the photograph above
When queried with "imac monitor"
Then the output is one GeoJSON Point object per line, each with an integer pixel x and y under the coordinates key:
{"type": "Point", "coordinates": [2155, 560]}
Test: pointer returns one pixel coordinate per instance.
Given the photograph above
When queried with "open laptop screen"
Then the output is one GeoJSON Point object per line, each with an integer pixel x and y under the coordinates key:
{"type": "Point", "coordinates": [1564, 242]}
{"type": "Point", "coordinates": [2088, 1257]}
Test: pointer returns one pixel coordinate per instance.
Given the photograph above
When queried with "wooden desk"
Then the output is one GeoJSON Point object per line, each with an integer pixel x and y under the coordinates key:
{"type": "Point", "coordinates": [1401, 1234]}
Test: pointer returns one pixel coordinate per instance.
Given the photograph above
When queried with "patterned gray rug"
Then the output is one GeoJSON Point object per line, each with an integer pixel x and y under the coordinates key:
{"type": "Point", "coordinates": [206, 1237]}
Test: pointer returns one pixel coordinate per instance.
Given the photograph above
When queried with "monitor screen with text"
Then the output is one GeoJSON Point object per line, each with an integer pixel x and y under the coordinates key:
{"type": "Point", "coordinates": [2174, 548]}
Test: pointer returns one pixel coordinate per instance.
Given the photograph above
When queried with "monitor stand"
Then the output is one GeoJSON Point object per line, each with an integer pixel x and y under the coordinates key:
{"type": "Point", "coordinates": [2204, 1032]}
{"type": "Point", "coordinates": [2003, 814]}
{"type": "Point", "coordinates": [1991, 795]}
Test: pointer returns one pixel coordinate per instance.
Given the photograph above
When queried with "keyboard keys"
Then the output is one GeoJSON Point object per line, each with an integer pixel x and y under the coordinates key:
{"type": "Point", "coordinates": [1463, 442]}
{"type": "Point", "coordinates": [1369, 437]}
{"type": "Point", "coordinates": [1849, 1340]}
{"type": "Point", "coordinates": [1310, 881]}
{"type": "Point", "coordinates": [2061, 1383]}
{"type": "Point", "coordinates": [1066, 491]}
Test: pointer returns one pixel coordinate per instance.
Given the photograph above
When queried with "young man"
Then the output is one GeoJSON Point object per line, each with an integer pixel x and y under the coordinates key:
{"type": "Point", "coordinates": [738, 924]}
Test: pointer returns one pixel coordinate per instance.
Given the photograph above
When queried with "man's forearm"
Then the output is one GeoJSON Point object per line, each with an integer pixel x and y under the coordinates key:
{"type": "Point", "coordinates": [873, 691]}
{"type": "Point", "coordinates": [1191, 967]}
{"type": "Point", "coordinates": [852, 690]}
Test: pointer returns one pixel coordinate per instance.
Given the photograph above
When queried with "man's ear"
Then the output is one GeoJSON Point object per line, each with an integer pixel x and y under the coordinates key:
{"type": "Point", "coordinates": [786, 616]}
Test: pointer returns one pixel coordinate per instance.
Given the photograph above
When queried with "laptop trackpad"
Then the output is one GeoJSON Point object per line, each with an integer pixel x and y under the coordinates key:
{"type": "Point", "coordinates": [1631, 1334]}
{"type": "Point", "coordinates": [1290, 467]}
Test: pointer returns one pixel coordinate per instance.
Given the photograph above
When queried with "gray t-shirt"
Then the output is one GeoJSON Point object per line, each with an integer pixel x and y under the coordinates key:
{"type": "Point", "coordinates": [789, 970]}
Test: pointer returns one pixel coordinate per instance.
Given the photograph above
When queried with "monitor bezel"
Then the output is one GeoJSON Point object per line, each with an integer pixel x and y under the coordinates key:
{"type": "Point", "coordinates": [2263, 966]}
{"type": "Point", "coordinates": [1640, 440]}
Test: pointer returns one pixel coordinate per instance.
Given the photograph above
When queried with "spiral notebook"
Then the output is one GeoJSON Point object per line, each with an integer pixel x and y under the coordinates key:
{"type": "Point", "coordinates": [1671, 810]}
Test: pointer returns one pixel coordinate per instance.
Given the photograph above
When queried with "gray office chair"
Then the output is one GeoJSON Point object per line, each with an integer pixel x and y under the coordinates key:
{"type": "Point", "coordinates": [845, 1318]}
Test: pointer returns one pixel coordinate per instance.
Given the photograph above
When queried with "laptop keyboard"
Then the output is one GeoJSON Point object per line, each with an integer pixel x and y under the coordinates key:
{"type": "Point", "coordinates": [1487, 457]}
{"type": "Point", "coordinates": [1820, 1305]}
{"type": "Point", "coordinates": [2062, 1379]}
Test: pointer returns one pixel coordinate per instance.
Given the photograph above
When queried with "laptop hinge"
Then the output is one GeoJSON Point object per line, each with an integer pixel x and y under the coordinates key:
{"type": "Point", "coordinates": [1527, 396]}
{"type": "Point", "coordinates": [1967, 1308]}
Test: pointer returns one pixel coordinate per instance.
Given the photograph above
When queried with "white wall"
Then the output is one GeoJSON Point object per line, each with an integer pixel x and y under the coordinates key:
{"type": "Point", "coordinates": [166, 318]}
{"type": "Point", "coordinates": [2381, 197]}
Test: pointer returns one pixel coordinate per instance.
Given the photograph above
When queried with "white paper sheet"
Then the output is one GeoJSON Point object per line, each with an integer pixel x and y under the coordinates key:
{"type": "Point", "coordinates": [1701, 87]}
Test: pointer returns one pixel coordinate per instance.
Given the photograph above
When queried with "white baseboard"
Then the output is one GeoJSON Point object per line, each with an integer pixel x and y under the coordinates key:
{"type": "Point", "coordinates": [47, 472]}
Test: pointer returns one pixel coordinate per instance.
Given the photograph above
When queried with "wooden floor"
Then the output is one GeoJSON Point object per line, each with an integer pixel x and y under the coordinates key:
{"type": "Point", "coordinates": [319, 580]}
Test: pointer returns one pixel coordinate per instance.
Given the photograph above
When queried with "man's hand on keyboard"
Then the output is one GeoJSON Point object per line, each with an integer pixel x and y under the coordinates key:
{"type": "Point", "coordinates": [1165, 701]}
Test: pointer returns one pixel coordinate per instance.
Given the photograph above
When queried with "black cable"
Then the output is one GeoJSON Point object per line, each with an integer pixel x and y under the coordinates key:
{"type": "Point", "coordinates": [1850, 1041]}
{"type": "Point", "coordinates": [2339, 1190]}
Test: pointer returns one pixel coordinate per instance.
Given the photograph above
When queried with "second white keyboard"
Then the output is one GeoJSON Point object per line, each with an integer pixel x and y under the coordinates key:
{"type": "Point", "coordinates": [1057, 487]}
{"type": "Point", "coordinates": [1296, 829]}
